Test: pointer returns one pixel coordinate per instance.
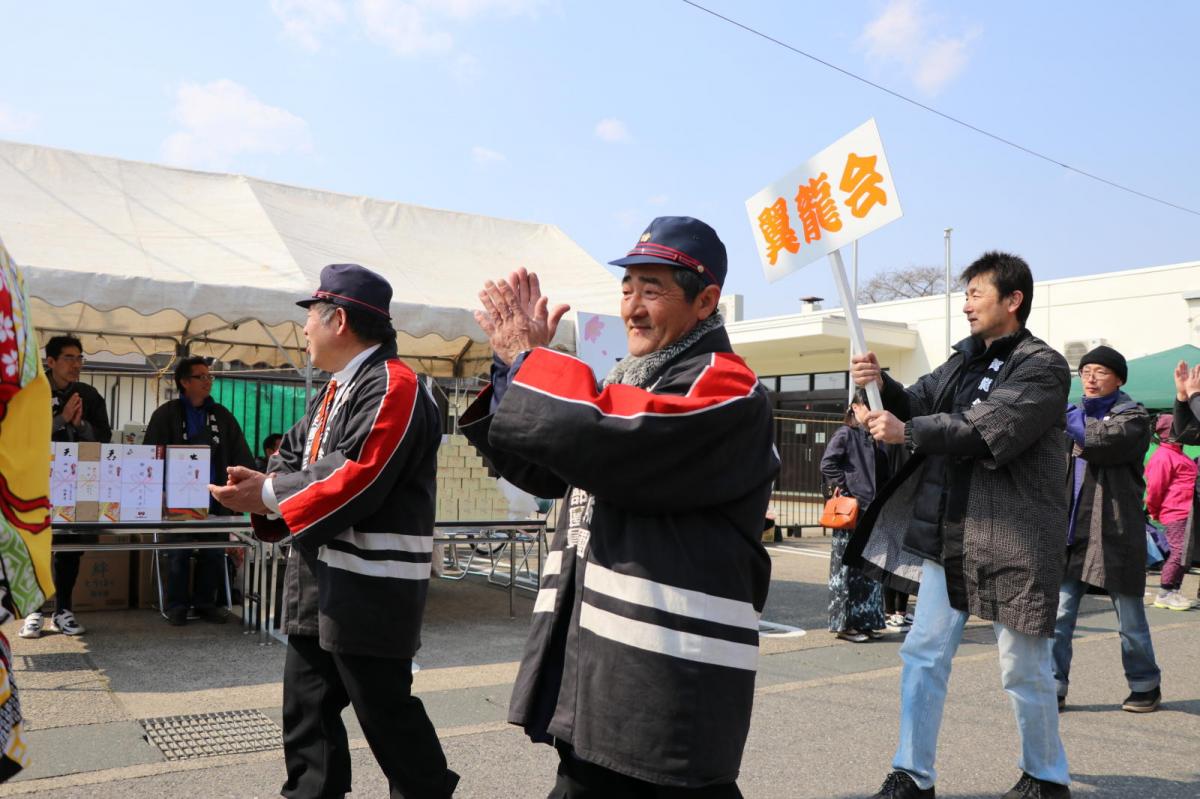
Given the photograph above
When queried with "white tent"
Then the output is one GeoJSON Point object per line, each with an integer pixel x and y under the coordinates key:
{"type": "Point", "coordinates": [137, 257]}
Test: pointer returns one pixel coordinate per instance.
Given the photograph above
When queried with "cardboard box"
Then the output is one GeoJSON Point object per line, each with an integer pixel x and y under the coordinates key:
{"type": "Point", "coordinates": [141, 484]}
{"type": "Point", "coordinates": [64, 466]}
{"type": "Point", "coordinates": [188, 473]}
{"type": "Point", "coordinates": [103, 582]}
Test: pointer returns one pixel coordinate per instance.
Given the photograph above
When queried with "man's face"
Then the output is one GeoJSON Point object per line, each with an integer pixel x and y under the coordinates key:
{"type": "Point", "coordinates": [989, 315]}
{"type": "Point", "coordinates": [654, 308]}
{"type": "Point", "coordinates": [321, 336]}
{"type": "Point", "coordinates": [1098, 381]}
{"type": "Point", "coordinates": [197, 385]}
{"type": "Point", "coordinates": [66, 367]}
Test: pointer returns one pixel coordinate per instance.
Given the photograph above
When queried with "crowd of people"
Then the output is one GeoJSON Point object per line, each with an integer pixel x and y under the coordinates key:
{"type": "Point", "coordinates": [656, 575]}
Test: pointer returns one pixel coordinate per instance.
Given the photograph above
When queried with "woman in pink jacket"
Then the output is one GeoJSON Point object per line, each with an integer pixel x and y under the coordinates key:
{"type": "Point", "coordinates": [1170, 484]}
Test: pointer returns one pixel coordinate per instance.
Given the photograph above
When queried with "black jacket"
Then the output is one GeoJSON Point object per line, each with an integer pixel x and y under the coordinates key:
{"type": "Point", "coordinates": [859, 466]}
{"type": "Point", "coordinates": [166, 427]}
{"type": "Point", "coordinates": [643, 648]}
{"type": "Point", "coordinates": [361, 514]}
{"type": "Point", "coordinates": [95, 425]}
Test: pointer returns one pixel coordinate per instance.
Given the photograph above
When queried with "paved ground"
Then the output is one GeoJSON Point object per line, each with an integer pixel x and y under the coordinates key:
{"type": "Point", "coordinates": [824, 723]}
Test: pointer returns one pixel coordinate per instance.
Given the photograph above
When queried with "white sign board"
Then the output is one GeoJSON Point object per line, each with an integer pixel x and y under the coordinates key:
{"type": "Point", "coordinates": [841, 194]}
{"type": "Point", "coordinates": [600, 341]}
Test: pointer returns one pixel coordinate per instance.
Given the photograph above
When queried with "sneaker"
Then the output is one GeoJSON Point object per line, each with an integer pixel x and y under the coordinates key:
{"type": "Point", "coordinates": [908, 619]}
{"type": "Point", "coordinates": [1172, 600]}
{"type": "Point", "coordinates": [32, 628]}
{"type": "Point", "coordinates": [1032, 788]}
{"type": "Point", "coordinates": [1143, 701]}
{"type": "Point", "coordinates": [853, 636]}
{"type": "Point", "coordinates": [177, 617]}
{"type": "Point", "coordinates": [899, 785]}
{"type": "Point", "coordinates": [897, 623]}
{"type": "Point", "coordinates": [64, 621]}
{"type": "Point", "coordinates": [213, 615]}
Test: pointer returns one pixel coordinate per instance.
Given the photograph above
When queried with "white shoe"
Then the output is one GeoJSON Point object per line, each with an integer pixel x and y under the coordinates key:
{"type": "Point", "coordinates": [64, 621]}
{"type": "Point", "coordinates": [1172, 600]}
{"type": "Point", "coordinates": [32, 628]}
{"type": "Point", "coordinates": [897, 623]}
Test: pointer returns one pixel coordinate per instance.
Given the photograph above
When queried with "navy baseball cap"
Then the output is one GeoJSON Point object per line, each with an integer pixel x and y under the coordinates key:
{"type": "Point", "coordinates": [353, 286]}
{"type": "Point", "coordinates": [682, 242]}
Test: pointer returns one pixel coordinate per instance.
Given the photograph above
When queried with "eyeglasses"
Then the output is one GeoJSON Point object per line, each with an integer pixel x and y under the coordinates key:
{"type": "Point", "coordinates": [1099, 373]}
{"type": "Point", "coordinates": [72, 358]}
{"type": "Point", "coordinates": [206, 378]}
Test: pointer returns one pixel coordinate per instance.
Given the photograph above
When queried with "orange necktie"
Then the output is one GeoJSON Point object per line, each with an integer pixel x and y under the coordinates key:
{"type": "Point", "coordinates": [322, 419]}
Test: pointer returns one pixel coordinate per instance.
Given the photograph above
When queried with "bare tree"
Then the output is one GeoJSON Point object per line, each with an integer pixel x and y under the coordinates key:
{"type": "Point", "coordinates": [898, 284]}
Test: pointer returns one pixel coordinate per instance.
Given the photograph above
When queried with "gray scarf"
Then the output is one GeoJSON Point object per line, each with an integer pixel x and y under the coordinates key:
{"type": "Point", "coordinates": [642, 371]}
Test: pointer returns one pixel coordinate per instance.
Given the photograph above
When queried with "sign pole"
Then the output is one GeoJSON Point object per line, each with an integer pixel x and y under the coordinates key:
{"type": "Point", "coordinates": [858, 341]}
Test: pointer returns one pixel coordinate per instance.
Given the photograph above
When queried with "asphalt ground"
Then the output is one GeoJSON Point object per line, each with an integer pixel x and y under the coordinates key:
{"type": "Point", "coordinates": [825, 715]}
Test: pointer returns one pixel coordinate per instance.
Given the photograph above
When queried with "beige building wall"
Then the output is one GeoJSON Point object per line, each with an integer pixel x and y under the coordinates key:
{"type": "Point", "coordinates": [1137, 312]}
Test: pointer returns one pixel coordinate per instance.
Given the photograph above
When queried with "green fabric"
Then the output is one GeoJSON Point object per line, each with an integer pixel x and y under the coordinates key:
{"type": "Point", "coordinates": [261, 408]}
{"type": "Point", "coordinates": [1151, 377]}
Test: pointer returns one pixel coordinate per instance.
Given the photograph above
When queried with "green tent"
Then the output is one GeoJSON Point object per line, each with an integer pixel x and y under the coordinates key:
{"type": "Point", "coordinates": [1151, 377]}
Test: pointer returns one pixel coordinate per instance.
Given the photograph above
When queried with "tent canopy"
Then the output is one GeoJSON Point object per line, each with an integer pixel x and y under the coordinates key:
{"type": "Point", "coordinates": [137, 257]}
{"type": "Point", "coordinates": [1151, 377]}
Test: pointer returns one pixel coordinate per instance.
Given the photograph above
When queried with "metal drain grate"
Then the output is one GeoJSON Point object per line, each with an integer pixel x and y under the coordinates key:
{"type": "Point", "coordinates": [208, 734]}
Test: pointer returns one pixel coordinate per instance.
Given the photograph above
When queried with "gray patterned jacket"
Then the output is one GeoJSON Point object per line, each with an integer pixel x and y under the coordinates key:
{"type": "Point", "coordinates": [1014, 531]}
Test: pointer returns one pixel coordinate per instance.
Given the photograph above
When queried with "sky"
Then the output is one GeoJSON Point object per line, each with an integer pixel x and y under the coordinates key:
{"type": "Point", "coordinates": [598, 116]}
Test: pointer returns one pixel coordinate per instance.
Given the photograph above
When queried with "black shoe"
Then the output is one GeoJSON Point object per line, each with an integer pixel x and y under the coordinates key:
{"type": "Point", "coordinates": [177, 617]}
{"type": "Point", "coordinates": [1032, 788]}
{"type": "Point", "coordinates": [899, 785]}
{"type": "Point", "coordinates": [1143, 701]}
{"type": "Point", "coordinates": [1062, 704]}
{"type": "Point", "coordinates": [213, 615]}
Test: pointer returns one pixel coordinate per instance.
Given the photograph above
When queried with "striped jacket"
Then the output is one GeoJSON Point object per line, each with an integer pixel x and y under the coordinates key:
{"type": "Point", "coordinates": [644, 642]}
{"type": "Point", "coordinates": [361, 515]}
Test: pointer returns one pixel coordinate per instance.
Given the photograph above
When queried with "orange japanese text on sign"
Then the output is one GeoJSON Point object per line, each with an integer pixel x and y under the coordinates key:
{"type": "Point", "coordinates": [860, 179]}
{"type": "Point", "coordinates": [816, 208]}
{"type": "Point", "coordinates": [777, 230]}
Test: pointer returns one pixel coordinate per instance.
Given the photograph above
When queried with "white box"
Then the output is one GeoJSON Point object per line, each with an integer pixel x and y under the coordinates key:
{"type": "Point", "coordinates": [188, 476]}
{"type": "Point", "coordinates": [64, 466]}
{"type": "Point", "coordinates": [141, 484]}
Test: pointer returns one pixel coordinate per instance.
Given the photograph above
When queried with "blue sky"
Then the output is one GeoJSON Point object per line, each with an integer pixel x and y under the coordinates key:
{"type": "Point", "coordinates": [598, 116]}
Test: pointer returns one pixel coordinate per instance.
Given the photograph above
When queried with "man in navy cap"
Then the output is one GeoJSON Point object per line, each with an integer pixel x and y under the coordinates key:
{"type": "Point", "coordinates": [354, 483]}
{"type": "Point", "coordinates": [643, 648]}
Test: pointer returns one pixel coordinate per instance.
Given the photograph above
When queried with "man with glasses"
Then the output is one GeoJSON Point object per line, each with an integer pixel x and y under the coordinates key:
{"type": "Point", "coordinates": [195, 419]}
{"type": "Point", "coordinates": [1108, 434]}
{"type": "Point", "coordinates": [79, 414]}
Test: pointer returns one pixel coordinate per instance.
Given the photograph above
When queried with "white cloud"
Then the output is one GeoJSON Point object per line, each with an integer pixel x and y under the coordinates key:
{"type": "Point", "coordinates": [905, 36]}
{"type": "Point", "coordinates": [221, 120]}
{"type": "Point", "coordinates": [657, 199]}
{"type": "Point", "coordinates": [483, 155]}
{"type": "Point", "coordinates": [14, 122]}
{"type": "Point", "coordinates": [612, 130]}
{"type": "Point", "coordinates": [304, 21]}
{"type": "Point", "coordinates": [403, 27]}
{"type": "Point", "coordinates": [470, 9]}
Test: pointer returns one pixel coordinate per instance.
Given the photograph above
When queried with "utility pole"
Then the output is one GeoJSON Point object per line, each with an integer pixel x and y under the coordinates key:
{"type": "Point", "coordinates": [947, 233]}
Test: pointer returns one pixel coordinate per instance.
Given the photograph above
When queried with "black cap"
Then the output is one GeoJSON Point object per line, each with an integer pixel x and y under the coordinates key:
{"type": "Point", "coordinates": [353, 286]}
{"type": "Point", "coordinates": [1109, 359]}
{"type": "Point", "coordinates": [682, 242]}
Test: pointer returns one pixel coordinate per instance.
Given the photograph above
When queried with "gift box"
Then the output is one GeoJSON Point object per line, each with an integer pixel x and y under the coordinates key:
{"type": "Point", "coordinates": [141, 484]}
{"type": "Point", "coordinates": [110, 483]}
{"type": "Point", "coordinates": [64, 468]}
{"type": "Point", "coordinates": [188, 476]}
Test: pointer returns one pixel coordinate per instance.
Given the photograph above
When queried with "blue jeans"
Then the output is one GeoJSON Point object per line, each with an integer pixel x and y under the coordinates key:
{"type": "Point", "coordinates": [1025, 673]}
{"type": "Point", "coordinates": [1137, 652]}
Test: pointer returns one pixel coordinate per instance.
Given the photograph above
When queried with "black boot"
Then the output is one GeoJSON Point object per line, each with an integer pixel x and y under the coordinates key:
{"type": "Point", "coordinates": [1032, 788]}
{"type": "Point", "coordinates": [899, 785]}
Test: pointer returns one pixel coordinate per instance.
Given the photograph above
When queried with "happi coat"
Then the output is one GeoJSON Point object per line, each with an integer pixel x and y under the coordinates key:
{"type": "Point", "coordinates": [1006, 555]}
{"type": "Point", "coordinates": [361, 513]}
{"type": "Point", "coordinates": [643, 646]}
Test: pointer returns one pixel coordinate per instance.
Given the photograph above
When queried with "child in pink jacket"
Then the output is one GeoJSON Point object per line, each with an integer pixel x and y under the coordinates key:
{"type": "Point", "coordinates": [1170, 485]}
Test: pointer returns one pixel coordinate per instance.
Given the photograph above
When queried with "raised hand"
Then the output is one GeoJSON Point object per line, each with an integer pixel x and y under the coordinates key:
{"type": "Point", "coordinates": [1192, 384]}
{"type": "Point", "coordinates": [1181, 375]}
{"type": "Point", "coordinates": [864, 369]}
{"type": "Point", "coordinates": [516, 316]}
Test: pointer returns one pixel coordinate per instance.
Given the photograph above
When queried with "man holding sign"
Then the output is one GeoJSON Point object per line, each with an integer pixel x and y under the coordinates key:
{"type": "Point", "coordinates": [974, 519]}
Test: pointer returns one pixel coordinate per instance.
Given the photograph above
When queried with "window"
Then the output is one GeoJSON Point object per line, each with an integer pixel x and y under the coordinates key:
{"type": "Point", "coordinates": [795, 383]}
{"type": "Point", "coordinates": [828, 381]}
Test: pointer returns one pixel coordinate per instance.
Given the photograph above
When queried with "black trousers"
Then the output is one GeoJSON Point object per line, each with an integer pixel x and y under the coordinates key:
{"type": "Point", "coordinates": [317, 686]}
{"type": "Point", "coordinates": [579, 779]}
{"type": "Point", "coordinates": [66, 573]}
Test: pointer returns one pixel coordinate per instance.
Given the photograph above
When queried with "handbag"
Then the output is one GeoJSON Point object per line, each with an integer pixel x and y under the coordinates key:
{"type": "Point", "coordinates": [841, 512]}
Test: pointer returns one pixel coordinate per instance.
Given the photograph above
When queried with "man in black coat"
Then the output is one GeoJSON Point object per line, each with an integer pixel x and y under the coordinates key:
{"type": "Point", "coordinates": [195, 419]}
{"type": "Point", "coordinates": [79, 415]}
